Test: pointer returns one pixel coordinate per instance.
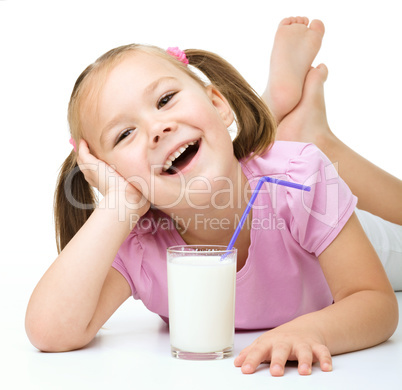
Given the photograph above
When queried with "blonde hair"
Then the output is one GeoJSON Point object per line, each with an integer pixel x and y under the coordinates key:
{"type": "Point", "coordinates": [255, 125]}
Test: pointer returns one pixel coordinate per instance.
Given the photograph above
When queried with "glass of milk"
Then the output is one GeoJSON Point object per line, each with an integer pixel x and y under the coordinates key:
{"type": "Point", "coordinates": [201, 286]}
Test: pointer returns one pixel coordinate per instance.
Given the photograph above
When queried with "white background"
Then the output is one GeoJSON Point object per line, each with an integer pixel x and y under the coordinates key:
{"type": "Point", "coordinates": [45, 45]}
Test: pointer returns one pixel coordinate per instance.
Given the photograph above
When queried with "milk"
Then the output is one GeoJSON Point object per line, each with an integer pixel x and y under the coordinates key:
{"type": "Point", "coordinates": [201, 303]}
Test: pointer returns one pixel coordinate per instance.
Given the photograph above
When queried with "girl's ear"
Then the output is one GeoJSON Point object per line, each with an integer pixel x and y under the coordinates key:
{"type": "Point", "coordinates": [221, 105]}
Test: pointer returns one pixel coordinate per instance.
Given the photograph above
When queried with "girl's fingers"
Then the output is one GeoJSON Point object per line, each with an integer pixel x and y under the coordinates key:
{"type": "Point", "coordinates": [97, 173]}
{"type": "Point", "coordinates": [242, 356]}
{"type": "Point", "coordinates": [84, 155]}
{"type": "Point", "coordinates": [304, 355]}
{"type": "Point", "coordinates": [324, 357]}
{"type": "Point", "coordinates": [280, 355]}
{"type": "Point", "coordinates": [252, 356]}
{"type": "Point", "coordinates": [256, 354]}
{"type": "Point", "coordinates": [82, 149]}
{"type": "Point", "coordinates": [107, 180]}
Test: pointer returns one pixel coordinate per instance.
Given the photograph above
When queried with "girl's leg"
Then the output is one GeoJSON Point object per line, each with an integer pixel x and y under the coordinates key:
{"type": "Point", "coordinates": [298, 104]}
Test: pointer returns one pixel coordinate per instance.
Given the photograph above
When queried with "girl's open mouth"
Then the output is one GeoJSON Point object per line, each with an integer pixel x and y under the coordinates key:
{"type": "Point", "coordinates": [177, 161]}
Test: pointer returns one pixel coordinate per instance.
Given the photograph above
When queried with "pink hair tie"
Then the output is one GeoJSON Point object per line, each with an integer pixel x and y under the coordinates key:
{"type": "Point", "coordinates": [179, 54]}
{"type": "Point", "coordinates": [72, 142]}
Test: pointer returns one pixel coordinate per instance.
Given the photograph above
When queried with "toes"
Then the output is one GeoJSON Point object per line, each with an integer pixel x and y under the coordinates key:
{"type": "Point", "coordinates": [315, 25]}
{"type": "Point", "coordinates": [324, 70]}
{"type": "Point", "coordinates": [294, 20]}
{"type": "Point", "coordinates": [285, 22]}
{"type": "Point", "coordinates": [302, 20]}
{"type": "Point", "coordinates": [317, 75]}
{"type": "Point", "coordinates": [318, 26]}
{"type": "Point", "coordinates": [313, 90]}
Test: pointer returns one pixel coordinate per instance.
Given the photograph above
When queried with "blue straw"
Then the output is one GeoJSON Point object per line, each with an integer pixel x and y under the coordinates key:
{"type": "Point", "coordinates": [252, 199]}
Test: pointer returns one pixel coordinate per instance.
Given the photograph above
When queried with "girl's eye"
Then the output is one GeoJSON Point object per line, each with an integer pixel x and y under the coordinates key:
{"type": "Point", "coordinates": [165, 99]}
{"type": "Point", "coordinates": [124, 134]}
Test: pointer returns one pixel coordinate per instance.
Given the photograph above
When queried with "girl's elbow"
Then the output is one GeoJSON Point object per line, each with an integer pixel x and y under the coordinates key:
{"type": "Point", "coordinates": [50, 338]}
{"type": "Point", "coordinates": [388, 315]}
{"type": "Point", "coordinates": [394, 314]}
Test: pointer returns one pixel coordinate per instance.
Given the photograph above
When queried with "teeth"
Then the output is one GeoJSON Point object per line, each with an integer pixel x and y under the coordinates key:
{"type": "Point", "coordinates": [176, 154]}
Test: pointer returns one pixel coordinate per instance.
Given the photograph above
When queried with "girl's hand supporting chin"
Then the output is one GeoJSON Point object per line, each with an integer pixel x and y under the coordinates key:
{"type": "Point", "coordinates": [118, 191]}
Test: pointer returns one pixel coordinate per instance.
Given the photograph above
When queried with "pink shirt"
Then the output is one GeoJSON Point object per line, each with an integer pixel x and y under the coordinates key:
{"type": "Point", "coordinates": [282, 278]}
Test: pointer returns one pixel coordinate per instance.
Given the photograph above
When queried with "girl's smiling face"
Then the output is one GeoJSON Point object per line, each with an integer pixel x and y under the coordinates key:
{"type": "Point", "coordinates": [146, 114]}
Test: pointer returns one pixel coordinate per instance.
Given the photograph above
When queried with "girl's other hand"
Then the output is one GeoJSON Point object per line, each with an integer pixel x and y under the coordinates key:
{"type": "Point", "coordinates": [279, 345]}
{"type": "Point", "coordinates": [110, 183]}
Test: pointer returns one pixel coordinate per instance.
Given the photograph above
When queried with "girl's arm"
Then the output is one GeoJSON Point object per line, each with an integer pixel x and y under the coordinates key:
{"type": "Point", "coordinates": [365, 312]}
{"type": "Point", "coordinates": [81, 290]}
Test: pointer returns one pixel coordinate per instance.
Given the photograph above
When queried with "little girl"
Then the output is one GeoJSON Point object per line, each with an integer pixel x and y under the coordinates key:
{"type": "Point", "coordinates": [153, 138]}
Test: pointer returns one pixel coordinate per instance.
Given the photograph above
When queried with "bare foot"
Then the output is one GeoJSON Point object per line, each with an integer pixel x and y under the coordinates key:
{"type": "Point", "coordinates": [295, 46]}
{"type": "Point", "coordinates": [308, 121]}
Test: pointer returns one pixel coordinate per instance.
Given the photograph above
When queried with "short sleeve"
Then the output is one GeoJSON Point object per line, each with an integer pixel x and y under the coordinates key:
{"type": "Point", "coordinates": [317, 216]}
{"type": "Point", "coordinates": [130, 249]}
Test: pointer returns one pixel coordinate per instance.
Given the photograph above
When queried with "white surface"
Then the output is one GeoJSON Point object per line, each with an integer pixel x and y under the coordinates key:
{"type": "Point", "coordinates": [45, 45]}
{"type": "Point", "coordinates": [133, 351]}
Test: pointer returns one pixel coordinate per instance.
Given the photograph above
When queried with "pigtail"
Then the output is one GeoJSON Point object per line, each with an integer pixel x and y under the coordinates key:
{"type": "Point", "coordinates": [255, 123]}
{"type": "Point", "coordinates": [74, 201]}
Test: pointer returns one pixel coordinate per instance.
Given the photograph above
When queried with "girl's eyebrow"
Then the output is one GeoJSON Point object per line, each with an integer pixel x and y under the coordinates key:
{"type": "Point", "coordinates": [149, 89]}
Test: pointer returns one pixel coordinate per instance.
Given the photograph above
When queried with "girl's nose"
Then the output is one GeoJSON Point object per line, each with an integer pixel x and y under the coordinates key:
{"type": "Point", "coordinates": [159, 130]}
{"type": "Point", "coordinates": [161, 134]}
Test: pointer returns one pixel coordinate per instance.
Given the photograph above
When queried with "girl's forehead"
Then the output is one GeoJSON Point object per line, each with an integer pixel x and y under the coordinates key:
{"type": "Point", "coordinates": [143, 65]}
{"type": "Point", "coordinates": [135, 70]}
{"type": "Point", "coordinates": [133, 66]}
